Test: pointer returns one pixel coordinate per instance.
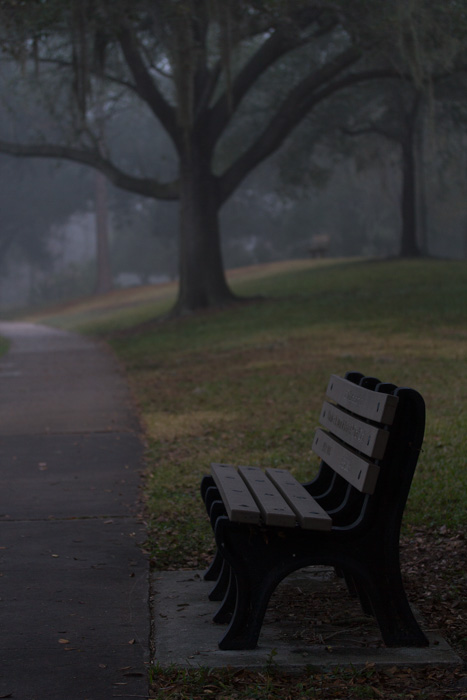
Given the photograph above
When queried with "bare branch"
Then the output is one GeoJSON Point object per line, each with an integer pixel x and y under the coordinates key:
{"type": "Point", "coordinates": [144, 186]}
{"type": "Point", "coordinates": [147, 88]}
{"type": "Point", "coordinates": [300, 100]}
{"type": "Point", "coordinates": [395, 130]}
{"type": "Point", "coordinates": [208, 91]}
{"type": "Point", "coordinates": [61, 63]}
{"type": "Point", "coordinates": [277, 45]}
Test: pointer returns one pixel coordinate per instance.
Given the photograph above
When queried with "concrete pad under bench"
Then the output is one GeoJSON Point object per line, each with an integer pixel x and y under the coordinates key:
{"type": "Point", "coordinates": [185, 635]}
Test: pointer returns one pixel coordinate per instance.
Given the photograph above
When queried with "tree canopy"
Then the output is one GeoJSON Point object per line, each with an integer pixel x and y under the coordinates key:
{"type": "Point", "coordinates": [193, 64]}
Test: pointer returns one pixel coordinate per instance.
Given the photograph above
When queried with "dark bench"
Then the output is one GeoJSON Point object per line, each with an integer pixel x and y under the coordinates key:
{"type": "Point", "coordinates": [267, 525]}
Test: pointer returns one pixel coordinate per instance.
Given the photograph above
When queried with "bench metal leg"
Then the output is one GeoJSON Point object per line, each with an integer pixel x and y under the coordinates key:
{"type": "Point", "coordinates": [207, 482]}
{"type": "Point", "coordinates": [226, 610]}
{"type": "Point", "coordinates": [261, 559]}
{"type": "Point", "coordinates": [247, 619]}
{"type": "Point", "coordinates": [392, 610]}
{"type": "Point", "coordinates": [356, 590]}
{"type": "Point", "coordinates": [256, 572]}
{"type": "Point", "coordinates": [222, 583]}
{"type": "Point", "coordinates": [212, 495]}
{"type": "Point", "coordinates": [216, 509]}
{"type": "Point", "coordinates": [215, 568]}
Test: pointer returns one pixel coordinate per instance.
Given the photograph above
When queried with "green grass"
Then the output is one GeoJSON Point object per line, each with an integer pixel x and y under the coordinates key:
{"type": "Point", "coordinates": [116, 310]}
{"type": "Point", "coordinates": [342, 683]}
{"type": "Point", "coordinates": [4, 345]}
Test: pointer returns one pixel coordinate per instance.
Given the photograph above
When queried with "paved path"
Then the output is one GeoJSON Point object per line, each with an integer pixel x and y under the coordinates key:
{"type": "Point", "coordinates": [74, 610]}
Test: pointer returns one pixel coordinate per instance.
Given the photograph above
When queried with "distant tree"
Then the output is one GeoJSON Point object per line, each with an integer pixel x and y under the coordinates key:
{"type": "Point", "coordinates": [104, 281]}
{"type": "Point", "coordinates": [143, 241]}
{"type": "Point", "coordinates": [451, 119]}
{"type": "Point", "coordinates": [194, 63]}
{"type": "Point", "coordinates": [24, 229]}
{"type": "Point", "coordinates": [395, 116]}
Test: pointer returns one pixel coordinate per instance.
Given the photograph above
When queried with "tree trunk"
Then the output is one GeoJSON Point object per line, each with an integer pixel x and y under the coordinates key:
{"type": "Point", "coordinates": [409, 247]}
{"type": "Point", "coordinates": [422, 204]}
{"type": "Point", "coordinates": [104, 281]}
{"type": "Point", "coordinates": [201, 270]}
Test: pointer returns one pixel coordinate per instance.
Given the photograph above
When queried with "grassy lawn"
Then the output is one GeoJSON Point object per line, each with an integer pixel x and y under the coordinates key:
{"type": "Point", "coordinates": [4, 345]}
{"type": "Point", "coordinates": [244, 385]}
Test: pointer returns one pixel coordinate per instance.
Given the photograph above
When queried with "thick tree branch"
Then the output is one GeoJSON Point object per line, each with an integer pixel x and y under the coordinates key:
{"type": "Point", "coordinates": [278, 44]}
{"type": "Point", "coordinates": [208, 89]}
{"type": "Point", "coordinates": [146, 87]}
{"type": "Point", "coordinates": [300, 100]}
{"type": "Point", "coordinates": [397, 130]}
{"type": "Point", "coordinates": [310, 92]}
{"type": "Point", "coordinates": [146, 187]}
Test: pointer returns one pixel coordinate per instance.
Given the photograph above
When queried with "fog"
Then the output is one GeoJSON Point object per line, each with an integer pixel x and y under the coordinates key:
{"type": "Point", "coordinates": [350, 200]}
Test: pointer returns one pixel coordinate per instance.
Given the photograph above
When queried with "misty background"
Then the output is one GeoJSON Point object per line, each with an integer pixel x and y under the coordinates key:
{"type": "Point", "coordinates": [337, 192]}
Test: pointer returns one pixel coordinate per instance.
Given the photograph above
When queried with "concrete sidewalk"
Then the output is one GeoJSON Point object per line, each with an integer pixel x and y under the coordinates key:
{"type": "Point", "coordinates": [73, 582]}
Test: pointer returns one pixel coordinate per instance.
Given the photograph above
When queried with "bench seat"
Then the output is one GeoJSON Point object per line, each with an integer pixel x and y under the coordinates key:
{"type": "Point", "coordinates": [272, 497]}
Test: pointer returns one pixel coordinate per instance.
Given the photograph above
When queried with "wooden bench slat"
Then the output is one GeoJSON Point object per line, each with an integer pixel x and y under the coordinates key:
{"type": "Point", "coordinates": [309, 513]}
{"type": "Point", "coordinates": [357, 470]}
{"type": "Point", "coordinates": [362, 436]}
{"type": "Point", "coordinates": [239, 503]}
{"type": "Point", "coordinates": [366, 403]}
{"type": "Point", "coordinates": [274, 509]}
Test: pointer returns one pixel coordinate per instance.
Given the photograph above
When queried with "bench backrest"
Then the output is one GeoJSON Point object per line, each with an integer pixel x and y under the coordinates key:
{"type": "Point", "coordinates": [352, 445]}
{"type": "Point", "coordinates": [369, 444]}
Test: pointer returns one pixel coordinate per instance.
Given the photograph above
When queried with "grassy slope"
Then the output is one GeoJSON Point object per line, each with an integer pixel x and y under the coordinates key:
{"type": "Point", "coordinates": [4, 345]}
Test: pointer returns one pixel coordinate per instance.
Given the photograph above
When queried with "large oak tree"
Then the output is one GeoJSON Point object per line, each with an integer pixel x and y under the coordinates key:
{"type": "Point", "coordinates": [194, 63]}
